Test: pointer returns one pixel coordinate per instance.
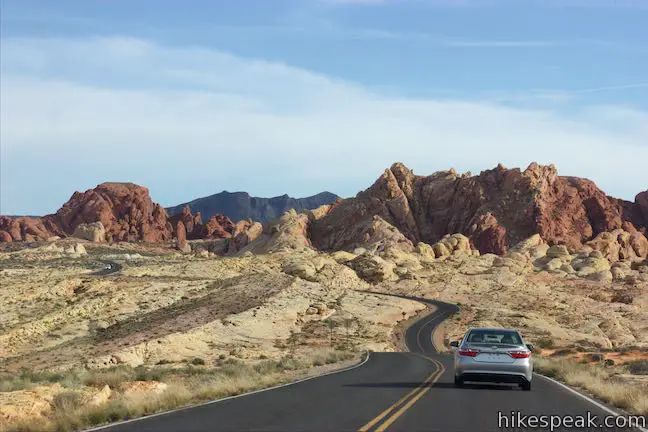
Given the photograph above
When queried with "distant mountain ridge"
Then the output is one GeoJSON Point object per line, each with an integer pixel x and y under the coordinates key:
{"type": "Point", "coordinates": [240, 205]}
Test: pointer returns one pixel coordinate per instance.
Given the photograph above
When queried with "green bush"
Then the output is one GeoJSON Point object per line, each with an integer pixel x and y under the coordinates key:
{"type": "Point", "coordinates": [545, 342]}
{"type": "Point", "coordinates": [198, 362]}
{"type": "Point", "coordinates": [638, 367]}
{"type": "Point", "coordinates": [111, 377]}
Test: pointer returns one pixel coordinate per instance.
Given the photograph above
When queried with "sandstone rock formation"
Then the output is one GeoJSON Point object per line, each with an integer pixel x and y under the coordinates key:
{"type": "Point", "coordinates": [125, 210]}
{"type": "Point", "coordinates": [218, 226]}
{"type": "Point", "coordinates": [373, 268]}
{"type": "Point", "coordinates": [94, 232]}
{"type": "Point", "coordinates": [27, 229]}
{"type": "Point", "coordinates": [181, 237]}
{"type": "Point", "coordinates": [288, 233]}
{"type": "Point", "coordinates": [495, 209]}
{"type": "Point", "coordinates": [192, 223]}
{"type": "Point", "coordinates": [452, 245]}
{"type": "Point", "coordinates": [620, 245]}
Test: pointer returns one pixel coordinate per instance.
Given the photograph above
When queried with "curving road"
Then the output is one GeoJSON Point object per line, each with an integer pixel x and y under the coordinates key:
{"type": "Point", "coordinates": [110, 267]}
{"type": "Point", "coordinates": [389, 391]}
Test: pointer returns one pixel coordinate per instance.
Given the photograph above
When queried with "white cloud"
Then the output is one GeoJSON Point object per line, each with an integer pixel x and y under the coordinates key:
{"type": "Point", "coordinates": [187, 122]}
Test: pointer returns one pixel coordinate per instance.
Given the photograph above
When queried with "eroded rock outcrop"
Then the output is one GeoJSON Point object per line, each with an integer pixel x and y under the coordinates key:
{"type": "Point", "coordinates": [124, 209]}
{"type": "Point", "coordinates": [288, 233]}
{"type": "Point", "coordinates": [14, 229]}
{"type": "Point", "coordinates": [181, 237]}
{"type": "Point", "coordinates": [94, 232]}
{"type": "Point", "coordinates": [620, 245]}
{"type": "Point", "coordinates": [495, 209]}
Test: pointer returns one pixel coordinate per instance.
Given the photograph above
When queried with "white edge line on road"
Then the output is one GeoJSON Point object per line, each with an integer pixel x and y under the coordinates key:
{"type": "Point", "coordinates": [587, 398]}
{"type": "Point", "coordinates": [230, 397]}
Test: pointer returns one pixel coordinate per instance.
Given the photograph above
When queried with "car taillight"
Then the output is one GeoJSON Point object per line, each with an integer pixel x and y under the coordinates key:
{"type": "Point", "coordinates": [468, 353]}
{"type": "Point", "coordinates": [520, 354]}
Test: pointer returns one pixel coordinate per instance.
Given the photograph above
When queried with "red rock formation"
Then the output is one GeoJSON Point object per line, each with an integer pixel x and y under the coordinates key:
{"type": "Point", "coordinates": [488, 235]}
{"type": "Point", "coordinates": [193, 223]}
{"type": "Point", "coordinates": [219, 226]}
{"type": "Point", "coordinates": [641, 208]}
{"type": "Point", "coordinates": [27, 229]}
{"type": "Point", "coordinates": [125, 209]}
{"type": "Point", "coordinates": [496, 208]}
{"type": "Point", "coordinates": [181, 237]}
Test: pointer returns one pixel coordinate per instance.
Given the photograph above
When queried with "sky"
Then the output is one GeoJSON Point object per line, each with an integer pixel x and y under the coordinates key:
{"type": "Point", "coordinates": [300, 96]}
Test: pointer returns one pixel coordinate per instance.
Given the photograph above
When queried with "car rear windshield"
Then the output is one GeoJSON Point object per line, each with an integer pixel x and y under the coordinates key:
{"type": "Point", "coordinates": [500, 337]}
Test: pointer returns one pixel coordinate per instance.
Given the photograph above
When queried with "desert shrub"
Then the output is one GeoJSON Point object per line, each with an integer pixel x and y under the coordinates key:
{"type": "Point", "coordinates": [638, 367]}
{"type": "Point", "coordinates": [545, 342]}
{"type": "Point", "coordinates": [563, 352]}
{"type": "Point", "coordinates": [110, 412]}
{"type": "Point", "coordinates": [267, 367]}
{"type": "Point", "coordinates": [67, 401]}
{"type": "Point", "coordinates": [111, 377]}
{"type": "Point", "coordinates": [330, 356]}
{"type": "Point", "coordinates": [291, 363]}
{"type": "Point", "coordinates": [598, 381]}
{"type": "Point", "coordinates": [28, 378]}
{"type": "Point", "coordinates": [197, 362]}
{"type": "Point", "coordinates": [143, 373]}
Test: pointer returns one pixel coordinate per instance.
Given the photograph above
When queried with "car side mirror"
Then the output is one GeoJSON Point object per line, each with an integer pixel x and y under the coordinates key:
{"type": "Point", "coordinates": [454, 344]}
{"type": "Point", "coordinates": [530, 347]}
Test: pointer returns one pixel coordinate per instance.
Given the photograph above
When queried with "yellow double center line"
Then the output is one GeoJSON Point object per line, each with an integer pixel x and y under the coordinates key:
{"type": "Point", "coordinates": [406, 402]}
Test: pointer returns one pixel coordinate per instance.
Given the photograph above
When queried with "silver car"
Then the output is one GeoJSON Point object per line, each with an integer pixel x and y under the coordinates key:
{"type": "Point", "coordinates": [493, 355]}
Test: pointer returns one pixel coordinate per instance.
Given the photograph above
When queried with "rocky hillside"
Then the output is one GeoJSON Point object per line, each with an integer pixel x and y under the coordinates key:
{"type": "Point", "coordinates": [240, 205]}
{"type": "Point", "coordinates": [495, 209]}
{"type": "Point", "coordinates": [112, 212]}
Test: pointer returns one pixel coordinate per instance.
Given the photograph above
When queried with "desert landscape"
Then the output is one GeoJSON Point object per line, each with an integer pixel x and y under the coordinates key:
{"type": "Point", "coordinates": [112, 309]}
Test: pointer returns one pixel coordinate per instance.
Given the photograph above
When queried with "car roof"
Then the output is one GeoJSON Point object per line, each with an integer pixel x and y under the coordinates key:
{"type": "Point", "coordinates": [492, 328]}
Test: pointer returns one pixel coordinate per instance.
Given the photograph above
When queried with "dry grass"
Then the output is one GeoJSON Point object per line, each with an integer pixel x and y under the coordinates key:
{"type": "Point", "coordinates": [186, 386]}
{"type": "Point", "coordinates": [598, 381]}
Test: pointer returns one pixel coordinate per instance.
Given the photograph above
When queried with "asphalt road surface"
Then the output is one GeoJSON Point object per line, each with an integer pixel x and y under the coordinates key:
{"type": "Point", "coordinates": [110, 267]}
{"type": "Point", "coordinates": [390, 391]}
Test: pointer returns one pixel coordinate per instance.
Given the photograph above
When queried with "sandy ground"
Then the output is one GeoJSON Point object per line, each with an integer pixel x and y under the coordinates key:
{"type": "Point", "coordinates": [167, 308]}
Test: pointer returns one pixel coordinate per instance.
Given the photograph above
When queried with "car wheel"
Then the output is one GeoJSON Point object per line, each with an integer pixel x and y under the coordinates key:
{"type": "Point", "coordinates": [526, 386]}
{"type": "Point", "coordinates": [458, 382]}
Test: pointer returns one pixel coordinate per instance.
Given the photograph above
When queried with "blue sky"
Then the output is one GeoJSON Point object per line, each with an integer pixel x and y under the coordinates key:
{"type": "Point", "coordinates": [272, 97]}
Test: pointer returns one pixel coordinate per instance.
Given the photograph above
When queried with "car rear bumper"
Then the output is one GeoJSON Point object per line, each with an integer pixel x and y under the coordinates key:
{"type": "Point", "coordinates": [493, 377]}
{"type": "Point", "coordinates": [470, 370]}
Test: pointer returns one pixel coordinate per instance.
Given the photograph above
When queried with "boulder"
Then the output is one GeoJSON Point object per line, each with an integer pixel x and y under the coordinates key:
{"type": "Point", "coordinates": [94, 232]}
{"type": "Point", "coordinates": [302, 268]}
{"type": "Point", "coordinates": [372, 268]}
{"type": "Point", "coordinates": [101, 397]}
{"type": "Point", "coordinates": [620, 245]}
{"type": "Point", "coordinates": [342, 257]}
{"type": "Point", "coordinates": [554, 264]}
{"type": "Point", "coordinates": [441, 250]}
{"type": "Point", "coordinates": [558, 251]}
{"type": "Point", "coordinates": [425, 250]}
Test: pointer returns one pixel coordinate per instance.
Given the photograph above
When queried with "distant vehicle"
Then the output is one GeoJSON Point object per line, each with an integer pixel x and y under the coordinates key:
{"type": "Point", "coordinates": [493, 355]}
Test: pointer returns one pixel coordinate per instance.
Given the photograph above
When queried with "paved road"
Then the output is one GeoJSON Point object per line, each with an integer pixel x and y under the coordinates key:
{"type": "Point", "coordinates": [390, 391]}
{"type": "Point", "coordinates": [110, 267]}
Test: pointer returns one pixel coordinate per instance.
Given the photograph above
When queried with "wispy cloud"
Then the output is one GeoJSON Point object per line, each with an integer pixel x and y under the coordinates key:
{"type": "Point", "coordinates": [79, 112]}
